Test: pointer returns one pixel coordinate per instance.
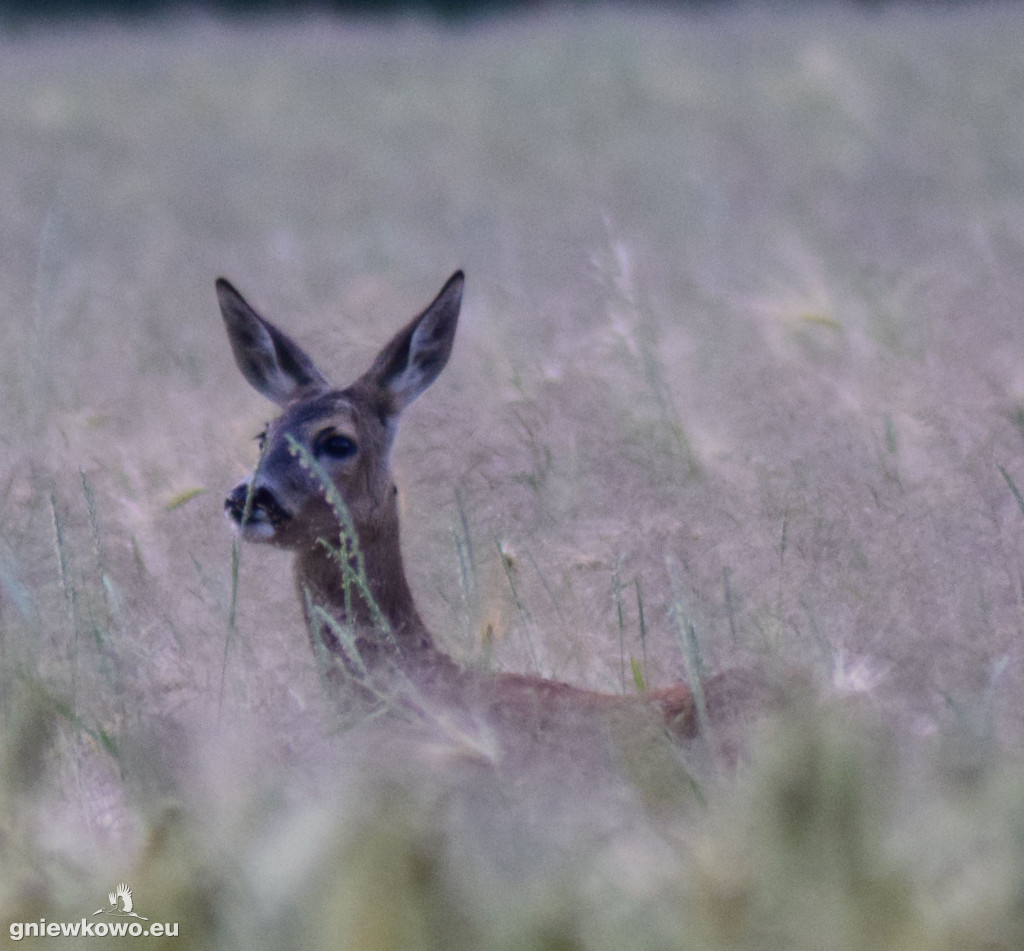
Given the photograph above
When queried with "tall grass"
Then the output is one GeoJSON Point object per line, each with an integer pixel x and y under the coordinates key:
{"type": "Point", "coordinates": [737, 385]}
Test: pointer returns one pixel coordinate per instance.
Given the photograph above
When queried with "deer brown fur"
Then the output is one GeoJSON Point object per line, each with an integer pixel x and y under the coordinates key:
{"type": "Point", "coordinates": [324, 490]}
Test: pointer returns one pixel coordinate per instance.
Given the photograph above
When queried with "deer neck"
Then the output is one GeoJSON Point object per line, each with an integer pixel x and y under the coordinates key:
{"type": "Point", "coordinates": [385, 625]}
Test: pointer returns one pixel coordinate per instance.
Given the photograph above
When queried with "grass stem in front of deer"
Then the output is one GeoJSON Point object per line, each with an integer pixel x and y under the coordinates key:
{"type": "Point", "coordinates": [468, 584]}
{"type": "Point", "coordinates": [1008, 479]}
{"type": "Point", "coordinates": [236, 561]}
{"type": "Point", "coordinates": [508, 565]}
{"type": "Point", "coordinates": [232, 619]}
{"type": "Point", "coordinates": [347, 554]}
{"type": "Point", "coordinates": [619, 615]}
{"type": "Point", "coordinates": [643, 679]}
{"type": "Point", "coordinates": [690, 646]}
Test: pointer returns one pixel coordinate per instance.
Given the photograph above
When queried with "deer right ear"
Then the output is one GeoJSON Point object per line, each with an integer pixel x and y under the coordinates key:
{"type": "Point", "coordinates": [274, 364]}
{"type": "Point", "coordinates": [418, 353]}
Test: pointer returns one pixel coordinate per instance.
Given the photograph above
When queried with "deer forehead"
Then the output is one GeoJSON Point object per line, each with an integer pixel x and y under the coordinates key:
{"type": "Point", "coordinates": [307, 417]}
{"type": "Point", "coordinates": [341, 411]}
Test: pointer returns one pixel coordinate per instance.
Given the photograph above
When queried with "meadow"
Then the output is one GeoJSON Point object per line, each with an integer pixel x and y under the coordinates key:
{"type": "Point", "coordinates": [738, 383]}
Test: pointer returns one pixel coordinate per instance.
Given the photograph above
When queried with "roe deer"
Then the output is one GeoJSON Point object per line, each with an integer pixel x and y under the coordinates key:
{"type": "Point", "coordinates": [323, 489]}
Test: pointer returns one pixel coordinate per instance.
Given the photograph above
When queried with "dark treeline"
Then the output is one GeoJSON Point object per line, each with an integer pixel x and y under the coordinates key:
{"type": "Point", "coordinates": [36, 11]}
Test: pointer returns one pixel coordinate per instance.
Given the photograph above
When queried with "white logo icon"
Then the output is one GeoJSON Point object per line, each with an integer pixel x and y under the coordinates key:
{"type": "Point", "coordinates": [120, 904]}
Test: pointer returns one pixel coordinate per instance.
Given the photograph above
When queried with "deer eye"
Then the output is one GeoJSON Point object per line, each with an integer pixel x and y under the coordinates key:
{"type": "Point", "coordinates": [334, 445]}
{"type": "Point", "coordinates": [261, 438]}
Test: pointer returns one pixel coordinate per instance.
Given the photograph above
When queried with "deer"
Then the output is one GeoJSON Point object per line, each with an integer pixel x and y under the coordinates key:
{"type": "Point", "coordinates": [323, 489]}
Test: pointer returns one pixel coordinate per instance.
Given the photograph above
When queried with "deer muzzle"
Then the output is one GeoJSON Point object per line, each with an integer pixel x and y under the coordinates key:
{"type": "Point", "coordinates": [256, 513]}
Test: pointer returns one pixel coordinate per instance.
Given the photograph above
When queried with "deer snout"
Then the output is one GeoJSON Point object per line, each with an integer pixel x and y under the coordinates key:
{"type": "Point", "coordinates": [234, 504]}
{"type": "Point", "coordinates": [264, 515]}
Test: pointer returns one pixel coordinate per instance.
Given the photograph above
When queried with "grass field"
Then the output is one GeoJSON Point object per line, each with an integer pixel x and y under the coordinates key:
{"type": "Point", "coordinates": [739, 382]}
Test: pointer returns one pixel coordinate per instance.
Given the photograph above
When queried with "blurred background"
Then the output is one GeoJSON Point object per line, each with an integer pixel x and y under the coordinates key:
{"type": "Point", "coordinates": [738, 384]}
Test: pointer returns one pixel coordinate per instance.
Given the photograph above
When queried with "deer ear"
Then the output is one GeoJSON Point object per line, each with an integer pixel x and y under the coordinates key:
{"type": "Point", "coordinates": [275, 365]}
{"type": "Point", "coordinates": [418, 353]}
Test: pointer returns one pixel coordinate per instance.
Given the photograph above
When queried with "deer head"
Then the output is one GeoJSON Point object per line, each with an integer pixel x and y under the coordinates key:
{"type": "Point", "coordinates": [348, 431]}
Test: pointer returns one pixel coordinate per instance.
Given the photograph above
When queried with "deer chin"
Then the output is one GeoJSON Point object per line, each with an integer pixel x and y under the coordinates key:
{"type": "Point", "coordinates": [255, 529]}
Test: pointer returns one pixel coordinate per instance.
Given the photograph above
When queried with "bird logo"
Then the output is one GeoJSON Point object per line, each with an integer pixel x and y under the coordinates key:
{"type": "Point", "coordinates": [121, 904]}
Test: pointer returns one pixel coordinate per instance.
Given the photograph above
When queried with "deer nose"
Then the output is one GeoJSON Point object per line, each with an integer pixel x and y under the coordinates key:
{"type": "Point", "coordinates": [263, 506]}
{"type": "Point", "coordinates": [234, 504]}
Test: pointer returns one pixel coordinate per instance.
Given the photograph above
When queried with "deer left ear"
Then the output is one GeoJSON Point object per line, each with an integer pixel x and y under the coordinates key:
{"type": "Point", "coordinates": [418, 353]}
{"type": "Point", "coordinates": [274, 364]}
